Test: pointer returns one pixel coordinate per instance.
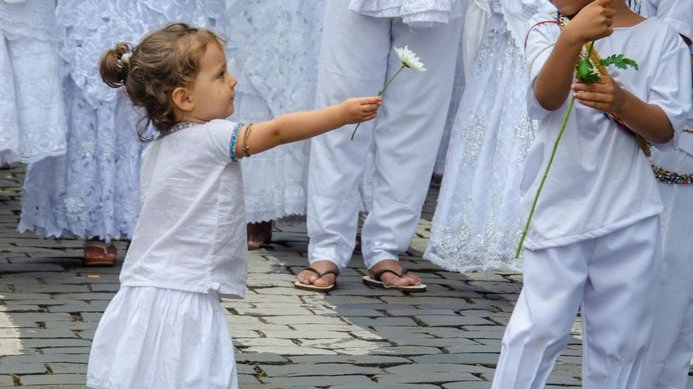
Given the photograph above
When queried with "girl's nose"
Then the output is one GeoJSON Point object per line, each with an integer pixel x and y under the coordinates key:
{"type": "Point", "coordinates": [233, 81]}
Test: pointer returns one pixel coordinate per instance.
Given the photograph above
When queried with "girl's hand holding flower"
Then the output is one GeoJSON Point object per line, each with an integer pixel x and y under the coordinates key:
{"type": "Point", "coordinates": [359, 109]}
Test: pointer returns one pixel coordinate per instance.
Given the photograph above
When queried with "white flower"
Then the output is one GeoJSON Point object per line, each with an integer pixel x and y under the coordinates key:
{"type": "Point", "coordinates": [125, 58]}
{"type": "Point", "coordinates": [409, 59]}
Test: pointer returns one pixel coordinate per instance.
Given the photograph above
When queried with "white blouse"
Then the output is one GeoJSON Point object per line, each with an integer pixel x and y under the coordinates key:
{"type": "Point", "coordinates": [191, 233]}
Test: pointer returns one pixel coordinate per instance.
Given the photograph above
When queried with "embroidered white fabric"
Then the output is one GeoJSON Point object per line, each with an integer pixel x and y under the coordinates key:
{"type": "Point", "coordinates": [476, 224]}
{"type": "Point", "coordinates": [273, 51]}
{"type": "Point", "coordinates": [93, 191]}
{"type": "Point", "coordinates": [32, 113]}
{"type": "Point", "coordinates": [415, 13]}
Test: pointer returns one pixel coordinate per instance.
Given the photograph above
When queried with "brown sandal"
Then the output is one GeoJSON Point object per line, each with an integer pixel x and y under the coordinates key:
{"type": "Point", "coordinates": [97, 253]}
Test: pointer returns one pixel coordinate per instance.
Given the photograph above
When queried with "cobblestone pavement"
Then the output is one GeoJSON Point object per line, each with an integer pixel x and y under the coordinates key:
{"type": "Point", "coordinates": [354, 337]}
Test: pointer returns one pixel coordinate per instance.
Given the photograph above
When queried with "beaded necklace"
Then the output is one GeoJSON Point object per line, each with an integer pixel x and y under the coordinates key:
{"type": "Point", "coordinates": [179, 126]}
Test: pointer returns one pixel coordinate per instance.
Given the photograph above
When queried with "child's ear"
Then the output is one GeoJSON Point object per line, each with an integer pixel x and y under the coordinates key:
{"type": "Point", "coordinates": [182, 100]}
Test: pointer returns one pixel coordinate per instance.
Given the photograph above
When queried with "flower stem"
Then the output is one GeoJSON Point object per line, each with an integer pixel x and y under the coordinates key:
{"type": "Point", "coordinates": [380, 94]}
{"type": "Point", "coordinates": [382, 91]}
{"type": "Point", "coordinates": [546, 173]}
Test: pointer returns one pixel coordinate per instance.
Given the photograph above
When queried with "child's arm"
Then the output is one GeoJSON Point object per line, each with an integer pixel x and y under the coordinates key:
{"type": "Point", "coordinates": [552, 85]}
{"type": "Point", "coordinates": [648, 120]}
{"type": "Point", "coordinates": [296, 126]}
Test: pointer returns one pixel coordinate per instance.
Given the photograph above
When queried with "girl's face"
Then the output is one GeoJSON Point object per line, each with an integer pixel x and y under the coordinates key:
{"type": "Point", "coordinates": [570, 7]}
{"type": "Point", "coordinates": [213, 90]}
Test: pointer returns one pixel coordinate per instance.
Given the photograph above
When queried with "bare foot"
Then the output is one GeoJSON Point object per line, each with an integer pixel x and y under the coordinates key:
{"type": "Point", "coordinates": [259, 234]}
{"type": "Point", "coordinates": [390, 279]}
{"type": "Point", "coordinates": [308, 277]}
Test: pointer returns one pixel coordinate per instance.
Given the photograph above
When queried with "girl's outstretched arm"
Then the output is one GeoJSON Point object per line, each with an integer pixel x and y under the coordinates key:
{"type": "Point", "coordinates": [297, 126]}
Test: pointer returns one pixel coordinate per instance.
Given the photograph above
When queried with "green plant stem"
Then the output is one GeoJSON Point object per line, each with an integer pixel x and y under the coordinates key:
{"type": "Point", "coordinates": [543, 179]}
{"type": "Point", "coordinates": [382, 91]}
{"type": "Point", "coordinates": [380, 94]}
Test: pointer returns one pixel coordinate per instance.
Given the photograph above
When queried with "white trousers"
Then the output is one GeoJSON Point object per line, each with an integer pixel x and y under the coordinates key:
{"type": "Point", "coordinates": [667, 362]}
{"type": "Point", "coordinates": [611, 278]}
{"type": "Point", "coordinates": [356, 58]}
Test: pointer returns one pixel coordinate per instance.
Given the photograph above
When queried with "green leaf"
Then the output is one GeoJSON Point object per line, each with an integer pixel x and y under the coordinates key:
{"type": "Point", "coordinates": [587, 72]}
{"type": "Point", "coordinates": [619, 61]}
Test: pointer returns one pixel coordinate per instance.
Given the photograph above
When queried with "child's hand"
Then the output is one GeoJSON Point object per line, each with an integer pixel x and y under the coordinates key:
{"type": "Point", "coordinates": [359, 109]}
{"type": "Point", "coordinates": [604, 95]}
{"type": "Point", "coordinates": [592, 22]}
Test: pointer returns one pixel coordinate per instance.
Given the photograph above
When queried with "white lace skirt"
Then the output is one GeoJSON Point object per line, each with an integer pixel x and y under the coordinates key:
{"type": "Point", "coordinates": [477, 223]}
{"type": "Point", "coordinates": [33, 124]}
{"type": "Point", "coordinates": [162, 338]}
{"type": "Point", "coordinates": [274, 55]}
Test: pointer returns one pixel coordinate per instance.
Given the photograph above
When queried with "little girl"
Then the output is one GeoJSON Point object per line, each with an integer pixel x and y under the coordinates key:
{"type": "Point", "coordinates": [165, 327]}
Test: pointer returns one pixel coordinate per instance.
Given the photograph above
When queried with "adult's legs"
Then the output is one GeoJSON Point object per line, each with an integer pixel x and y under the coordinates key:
{"type": "Point", "coordinates": [353, 62]}
{"type": "Point", "coordinates": [407, 136]}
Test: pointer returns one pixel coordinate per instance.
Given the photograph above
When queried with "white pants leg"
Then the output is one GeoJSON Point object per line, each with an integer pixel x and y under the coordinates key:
{"type": "Point", "coordinates": [671, 349]}
{"type": "Point", "coordinates": [554, 279]}
{"type": "Point", "coordinates": [353, 62]}
{"type": "Point", "coordinates": [612, 277]}
{"type": "Point", "coordinates": [407, 137]}
{"type": "Point", "coordinates": [618, 306]}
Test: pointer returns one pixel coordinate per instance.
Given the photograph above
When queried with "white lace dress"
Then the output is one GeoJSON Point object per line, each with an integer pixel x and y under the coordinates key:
{"type": "Point", "coordinates": [32, 113]}
{"type": "Point", "coordinates": [476, 225]}
{"type": "Point", "coordinates": [273, 51]}
{"type": "Point", "coordinates": [93, 191]}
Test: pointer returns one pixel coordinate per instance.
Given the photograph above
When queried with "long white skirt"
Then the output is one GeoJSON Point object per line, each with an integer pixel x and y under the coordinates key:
{"type": "Point", "coordinates": [162, 338]}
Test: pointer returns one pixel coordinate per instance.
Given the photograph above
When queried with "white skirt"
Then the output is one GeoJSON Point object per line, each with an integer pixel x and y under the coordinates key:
{"type": "Point", "coordinates": [162, 338]}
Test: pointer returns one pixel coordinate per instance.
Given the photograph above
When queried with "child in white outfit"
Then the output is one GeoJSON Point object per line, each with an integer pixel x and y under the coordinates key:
{"type": "Point", "coordinates": [165, 327]}
{"type": "Point", "coordinates": [595, 235]}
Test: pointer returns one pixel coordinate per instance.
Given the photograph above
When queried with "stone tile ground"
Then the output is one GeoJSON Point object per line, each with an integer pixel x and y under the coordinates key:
{"type": "Point", "coordinates": [352, 338]}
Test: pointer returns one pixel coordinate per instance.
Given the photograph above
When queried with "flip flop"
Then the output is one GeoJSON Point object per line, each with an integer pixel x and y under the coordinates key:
{"type": "Point", "coordinates": [315, 288]}
{"type": "Point", "coordinates": [375, 281]}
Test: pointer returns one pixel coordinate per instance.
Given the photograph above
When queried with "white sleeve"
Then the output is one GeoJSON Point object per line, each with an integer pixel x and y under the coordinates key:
{"type": "Point", "coordinates": [541, 38]}
{"type": "Point", "coordinates": [221, 140]}
{"type": "Point", "coordinates": [673, 72]}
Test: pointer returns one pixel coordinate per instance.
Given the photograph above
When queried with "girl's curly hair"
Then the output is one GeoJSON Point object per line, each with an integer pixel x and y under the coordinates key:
{"type": "Point", "coordinates": [165, 59]}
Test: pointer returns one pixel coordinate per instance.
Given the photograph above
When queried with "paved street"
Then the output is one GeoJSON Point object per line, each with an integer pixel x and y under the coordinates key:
{"type": "Point", "coordinates": [354, 337]}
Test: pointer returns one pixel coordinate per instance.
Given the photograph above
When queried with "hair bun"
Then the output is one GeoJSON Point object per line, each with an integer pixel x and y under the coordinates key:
{"type": "Point", "coordinates": [115, 65]}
